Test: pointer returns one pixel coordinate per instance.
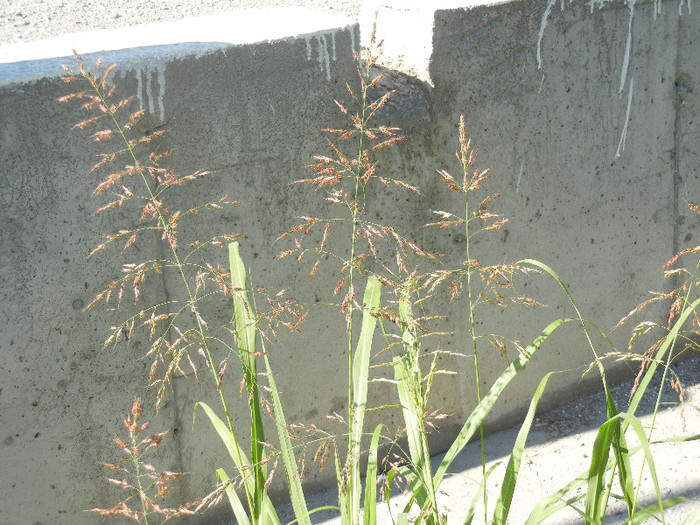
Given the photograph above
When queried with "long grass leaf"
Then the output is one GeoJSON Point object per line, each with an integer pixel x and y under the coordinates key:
{"type": "Point", "coordinates": [596, 494]}
{"type": "Point", "coordinates": [409, 381]}
{"type": "Point", "coordinates": [370, 517]}
{"type": "Point", "coordinates": [246, 330]}
{"type": "Point", "coordinates": [296, 492]}
{"type": "Point", "coordinates": [417, 478]}
{"type": "Point", "coordinates": [482, 410]}
{"type": "Point", "coordinates": [510, 478]}
{"type": "Point", "coordinates": [642, 515]}
{"type": "Point", "coordinates": [360, 376]}
{"type": "Point", "coordinates": [632, 420]}
{"type": "Point", "coordinates": [229, 440]}
{"type": "Point", "coordinates": [471, 509]}
{"type": "Point", "coordinates": [619, 444]}
{"type": "Point", "coordinates": [550, 505]}
{"type": "Point", "coordinates": [236, 505]}
{"type": "Point", "coordinates": [659, 356]}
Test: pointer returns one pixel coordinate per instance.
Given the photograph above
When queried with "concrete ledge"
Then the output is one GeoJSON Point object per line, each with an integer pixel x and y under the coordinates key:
{"type": "Point", "coordinates": [406, 29]}
{"type": "Point", "coordinates": [133, 47]}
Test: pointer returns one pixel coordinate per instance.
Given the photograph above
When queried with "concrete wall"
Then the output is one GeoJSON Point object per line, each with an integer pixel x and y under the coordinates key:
{"type": "Point", "coordinates": [585, 116]}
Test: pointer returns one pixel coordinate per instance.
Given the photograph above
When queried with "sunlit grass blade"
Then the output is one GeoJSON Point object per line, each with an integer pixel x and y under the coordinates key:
{"type": "Point", "coordinates": [652, 511]}
{"type": "Point", "coordinates": [660, 354]}
{"type": "Point", "coordinates": [632, 420]}
{"type": "Point", "coordinates": [229, 439]}
{"type": "Point", "coordinates": [596, 502]}
{"type": "Point", "coordinates": [231, 443]}
{"type": "Point", "coordinates": [619, 444]}
{"type": "Point", "coordinates": [370, 516]}
{"type": "Point", "coordinates": [296, 492]}
{"type": "Point", "coordinates": [409, 382]}
{"type": "Point", "coordinates": [471, 509]}
{"type": "Point", "coordinates": [236, 505]}
{"type": "Point", "coordinates": [344, 496]}
{"type": "Point", "coordinates": [360, 383]}
{"type": "Point", "coordinates": [419, 469]}
{"type": "Point", "coordinates": [388, 483]}
{"type": "Point", "coordinates": [482, 410]}
{"type": "Point", "coordinates": [596, 498]}
{"type": "Point", "coordinates": [550, 505]}
{"type": "Point", "coordinates": [510, 478]}
{"type": "Point", "coordinates": [246, 329]}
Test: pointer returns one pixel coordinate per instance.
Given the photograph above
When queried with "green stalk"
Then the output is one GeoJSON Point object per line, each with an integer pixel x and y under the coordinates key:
{"type": "Point", "coordinates": [353, 487]}
{"type": "Point", "coordinates": [247, 335]}
{"type": "Point", "coordinates": [472, 333]}
{"type": "Point", "coordinates": [413, 398]}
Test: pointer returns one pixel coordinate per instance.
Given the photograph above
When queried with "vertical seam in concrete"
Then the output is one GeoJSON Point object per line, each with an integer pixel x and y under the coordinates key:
{"type": "Point", "coordinates": [676, 142]}
{"type": "Point", "coordinates": [161, 250]}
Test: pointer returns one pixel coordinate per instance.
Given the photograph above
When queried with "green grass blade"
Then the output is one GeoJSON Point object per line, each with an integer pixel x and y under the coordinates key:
{"type": "Point", "coordinates": [387, 486]}
{"type": "Point", "coordinates": [632, 420]}
{"type": "Point", "coordinates": [370, 517]}
{"type": "Point", "coordinates": [344, 496]}
{"type": "Point", "coordinates": [422, 485]}
{"type": "Point", "coordinates": [679, 439]}
{"type": "Point", "coordinates": [229, 440]}
{"type": "Point", "coordinates": [510, 478]}
{"type": "Point", "coordinates": [246, 329]}
{"type": "Point", "coordinates": [360, 377]}
{"type": "Point", "coordinates": [608, 433]}
{"type": "Point", "coordinates": [409, 383]}
{"type": "Point", "coordinates": [318, 509]}
{"type": "Point", "coordinates": [234, 500]}
{"type": "Point", "coordinates": [596, 494]}
{"type": "Point", "coordinates": [481, 411]}
{"type": "Point", "coordinates": [661, 352]}
{"type": "Point", "coordinates": [269, 514]}
{"type": "Point", "coordinates": [550, 505]}
{"type": "Point", "coordinates": [624, 471]}
{"type": "Point", "coordinates": [296, 492]}
{"type": "Point", "coordinates": [471, 510]}
{"type": "Point", "coordinates": [642, 515]}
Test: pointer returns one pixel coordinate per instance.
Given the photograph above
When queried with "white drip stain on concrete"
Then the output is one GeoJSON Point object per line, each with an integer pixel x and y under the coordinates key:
{"type": "Point", "coordinates": [323, 54]}
{"type": "Point", "coordinates": [623, 135]}
{"type": "Point", "coordinates": [594, 5]}
{"type": "Point", "coordinates": [353, 45]}
{"type": "Point", "coordinates": [543, 25]}
{"type": "Point", "coordinates": [517, 185]}
{"type": "Point", "coordinates": [680, 6]}
{"type": "Point", "coordinates": [628, 46]}
{"type": "Point", "coordinates": [151, 100]}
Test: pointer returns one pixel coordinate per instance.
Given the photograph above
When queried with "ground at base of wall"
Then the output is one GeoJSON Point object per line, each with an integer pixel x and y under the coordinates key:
{"type": "Point", "coordinates": [559, 448]}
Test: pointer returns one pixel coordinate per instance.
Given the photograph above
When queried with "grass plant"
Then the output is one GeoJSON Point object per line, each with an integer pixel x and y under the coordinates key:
{"type": "Point", "coordinates": [351, 178]}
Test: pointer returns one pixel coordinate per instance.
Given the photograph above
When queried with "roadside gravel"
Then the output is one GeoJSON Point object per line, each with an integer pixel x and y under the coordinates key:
{"type": "Point", "coordinates": [29, 20]}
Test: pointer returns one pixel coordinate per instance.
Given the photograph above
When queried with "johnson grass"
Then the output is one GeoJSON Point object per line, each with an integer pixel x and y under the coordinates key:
{"type": "Point", "coordinates": [372, 299]}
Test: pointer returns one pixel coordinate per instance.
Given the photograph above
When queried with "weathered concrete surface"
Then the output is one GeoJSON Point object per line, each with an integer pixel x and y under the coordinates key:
{"type": "Point", "coordinates": [593, 188]}
{"type": "Point", "coordinates": [258, 108]}
{"type": "Point", "coordinates": [588, 141]}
